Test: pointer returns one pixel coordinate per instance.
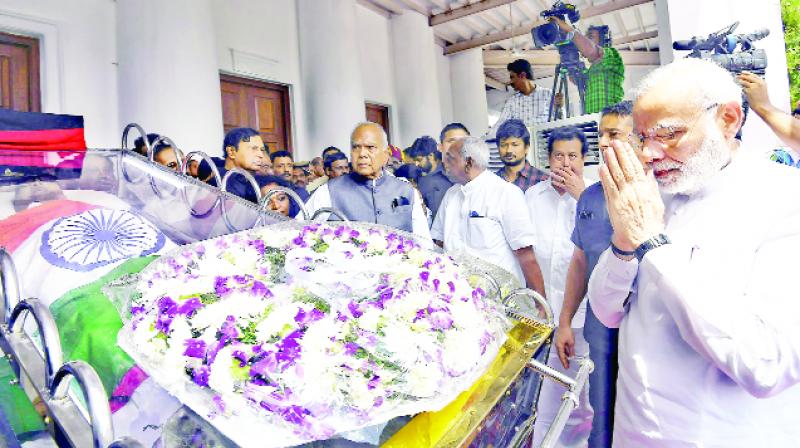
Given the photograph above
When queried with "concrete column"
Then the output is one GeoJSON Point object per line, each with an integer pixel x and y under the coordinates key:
{"type": "Point", "coordinates": [331, 73]}
{"type": "Point", "coordinates": [687, 18]}
{"type": "Point", "coordinates": [418, 100]}
{"type": "Point", "coordinates": [467, 82]}
{"type": "Point", "coordinates": [168, 76]}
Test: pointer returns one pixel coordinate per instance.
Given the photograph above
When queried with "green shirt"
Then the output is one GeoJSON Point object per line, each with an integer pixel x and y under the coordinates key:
{"type": "Point", "coordinates": [604, 81]}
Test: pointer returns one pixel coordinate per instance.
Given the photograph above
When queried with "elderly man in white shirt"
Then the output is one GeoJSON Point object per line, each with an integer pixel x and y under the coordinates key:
{"type": "Point", "coordinates": [552, 205]}
{"type": "Point", "coordinates": [484, 215]}
{"type": "Point", "coordinates": [700, 279]}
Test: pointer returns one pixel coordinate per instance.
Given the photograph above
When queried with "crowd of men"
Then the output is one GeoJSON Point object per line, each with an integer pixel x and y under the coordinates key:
{"type": "Point", "coordinates": [692, 321]}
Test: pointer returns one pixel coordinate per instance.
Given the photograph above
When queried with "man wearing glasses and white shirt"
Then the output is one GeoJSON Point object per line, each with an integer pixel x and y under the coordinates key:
{"type": "Point", "coordinates": [701, 274]}
{"type": "Point", "coordinates": [552, 205]}
{"type": "Point", "coordinates": [484, 215]}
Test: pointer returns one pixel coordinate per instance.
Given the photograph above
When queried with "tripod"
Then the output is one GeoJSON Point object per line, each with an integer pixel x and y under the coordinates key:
{"type": "Point", "coordinates": [561, 86]}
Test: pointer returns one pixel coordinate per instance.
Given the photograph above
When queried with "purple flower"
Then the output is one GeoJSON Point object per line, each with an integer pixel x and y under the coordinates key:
{"type": "Point", "coordinates": [452, 287]}
{"type": "Point", "coordinates": [294, 414]}
{"type": "Point", "coordinates": [436, 283]}
{"type": "Point", "coordinates": [137, 309]}
{"type": "Point", "coordinates": [348, 254]}
{"type": "Point", "coordinates": [241, 356]}
{"type": "Point", "coordinates": [220, 404]}
{"type": "Point", "coordinates": [299, 241]}
{"type": "Point", "coordinates": [195, 348]}
{"type": "Point", "coordinates": [373, 383]}
{"type": "Point", "coordinates": [163, 323]}
{"type": "Point", "coordinates": [260, 290]}
{"type": "Point", "coordinates": [354, 234]}
{"type": "Point", "coordinates": [341, 317]}
{"type": "Point", "coordinates": [484, 341]}
{"type": "Point", "coordinates": [241, 279]}
{"type": "Point", "coordinates": [440, 320]}
{"type": "Point", "coordinates": [424, 275]}
{"type": "Point", "coordinates": [221, 286]}
{"type": "Point", "coordinates": [189, 307]}
{"type": "Point", "coordinates": [351, 348]}
{"type": "Point", "coordinates": [338, 232]}
{"type": "Point", "coordinates": [228, 329]}
{"type": "Point", "coordinates": [200, 375]}
{"type": "Point", "coordinates": [259, 246]}
{"type": "Point", "coordinates": [167, 306]}
{"type": "Point", "coordinates": [478, 293]}
{"type": "Point", "coordinates": [355, 311]}
{"type": "Point", "coordinates": [289, 349]}
{"type": "Point", "coordinates": [264, 366]}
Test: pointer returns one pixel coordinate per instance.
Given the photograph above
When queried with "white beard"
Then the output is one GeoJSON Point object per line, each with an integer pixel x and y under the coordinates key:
{"type": "Point", "coordinates": [708, 160]}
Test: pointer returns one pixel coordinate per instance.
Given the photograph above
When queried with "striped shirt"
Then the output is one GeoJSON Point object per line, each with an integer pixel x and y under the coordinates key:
{"type": "Point", "coordinates": [531, 109]}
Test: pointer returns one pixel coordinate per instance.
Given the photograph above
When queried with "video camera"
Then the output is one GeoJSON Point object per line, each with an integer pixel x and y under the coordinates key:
{"type": "Point", "coordinates": [550, 33]}
{"type": "Point", "coordinates": [720, 47]}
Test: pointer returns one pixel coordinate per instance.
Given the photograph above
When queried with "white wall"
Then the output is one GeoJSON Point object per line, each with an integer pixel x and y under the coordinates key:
{"type": "Point", "coordinates": [266, 49]}
{"type": "Point", "coordinates": [375, 48]}
{"type": "Point", "coordinates": [78, 46]}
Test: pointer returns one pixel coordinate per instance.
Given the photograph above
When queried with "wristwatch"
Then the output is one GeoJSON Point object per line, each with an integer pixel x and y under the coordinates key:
{"type": "Point", "coordinates": [656, 241]}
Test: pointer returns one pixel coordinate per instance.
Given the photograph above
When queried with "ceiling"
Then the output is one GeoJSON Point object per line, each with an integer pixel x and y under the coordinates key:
{"type": "Point", "coordinates": [502, 28]}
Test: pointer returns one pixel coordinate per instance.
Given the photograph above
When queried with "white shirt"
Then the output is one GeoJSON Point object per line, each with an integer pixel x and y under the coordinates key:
{"type": "Point", "coordinates": [419, 219]}
{"type": "Point", "coordinates": [709, 342]}
{"type": "Point", "coordinates": [553, 219]}
{"type": "Point", "coordinates": [486, 218]}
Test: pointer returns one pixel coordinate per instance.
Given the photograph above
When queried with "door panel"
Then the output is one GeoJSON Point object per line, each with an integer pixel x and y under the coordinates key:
{"type": "Point", "coordinates": [259, 105]}
{"type": "Point", "coordinates": [19, 73]}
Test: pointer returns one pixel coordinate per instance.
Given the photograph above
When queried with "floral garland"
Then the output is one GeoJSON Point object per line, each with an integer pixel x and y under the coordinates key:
{"type": "Point", "coordinates": [313, 327]}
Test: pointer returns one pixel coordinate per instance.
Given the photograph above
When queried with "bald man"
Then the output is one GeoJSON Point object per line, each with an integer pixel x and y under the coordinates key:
{"type": "Point", "coordinates": [368, 193]}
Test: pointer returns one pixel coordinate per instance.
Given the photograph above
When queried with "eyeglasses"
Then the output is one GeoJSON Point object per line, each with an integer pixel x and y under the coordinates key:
{"type": "Point", "coordinates": [668, 135]}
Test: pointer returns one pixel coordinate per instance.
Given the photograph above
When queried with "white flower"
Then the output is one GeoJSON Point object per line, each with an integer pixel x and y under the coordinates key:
{"type": "Point", "coordinates": [423, 380]}
{"type": "Point", "coordinates": [460, 351]}
{"type": "Point", "coordinates": [370, 319]}
{"type": "Point", "coordinates": [220, 377]}
{"type": "Point", "coordinates": [277, 322]}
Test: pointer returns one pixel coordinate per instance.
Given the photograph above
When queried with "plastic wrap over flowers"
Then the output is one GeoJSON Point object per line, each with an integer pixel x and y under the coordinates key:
{"type": "Point", "coordinates": [303, 333]}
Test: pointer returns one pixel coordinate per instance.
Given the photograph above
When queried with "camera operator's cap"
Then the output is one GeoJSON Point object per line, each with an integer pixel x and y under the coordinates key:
{"type": "Point", "coordinates": [302, 164]}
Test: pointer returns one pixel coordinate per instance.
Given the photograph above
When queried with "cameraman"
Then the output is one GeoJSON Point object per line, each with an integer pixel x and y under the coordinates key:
{"type": "Point", "coordinates": [607, 72]}
{"type": "Point", "coordinates": [785, 126]}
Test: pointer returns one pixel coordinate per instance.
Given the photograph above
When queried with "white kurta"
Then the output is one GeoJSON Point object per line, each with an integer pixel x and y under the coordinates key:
{"type": "Point", "coordinates": [709, 342]}
{"type": "Point", "coordinates": [486, 218]}
{"type": "Point", "coordinates": [553, 219]}
{"type": "Point", "coordinates": [419, 218]}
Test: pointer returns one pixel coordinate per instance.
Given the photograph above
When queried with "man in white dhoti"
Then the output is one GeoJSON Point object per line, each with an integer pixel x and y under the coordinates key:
{"type": "Point", "coordinates": [700, 275]}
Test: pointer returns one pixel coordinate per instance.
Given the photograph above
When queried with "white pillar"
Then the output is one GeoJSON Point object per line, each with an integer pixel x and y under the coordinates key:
{"type": "Point", "coordinates": [468, 84]}
{"type": "Point", "coordinates": [418, 101]}
{"type": "Point", "coordinates": [687, 18]}
{"type": "Point", "coordinates": [168, 76]}
{"type": "Point", "coordinates": [331, 73]}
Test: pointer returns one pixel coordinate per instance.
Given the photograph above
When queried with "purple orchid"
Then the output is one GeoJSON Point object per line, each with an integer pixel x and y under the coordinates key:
{"type": "Point", "coordinates": [221, 286]}
{"type": "Point", "coordinates": [373, 383]}
{"type": "Point", "coordinates": [440, 320]}
{"type": "Point", "coordinates": [195, 348]}
{"type": "Point", "coordinates": [354, 309]}
{"type": "Point", "coordinates": [200, 375]}
{"type": "Point", "coordinates": [189, 307]}
{"type": "Point", "coordinates": [259, 289]}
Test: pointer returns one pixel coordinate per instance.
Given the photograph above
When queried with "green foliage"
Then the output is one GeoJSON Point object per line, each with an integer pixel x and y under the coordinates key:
{"type": "Point", "coordinates": [791, 25]}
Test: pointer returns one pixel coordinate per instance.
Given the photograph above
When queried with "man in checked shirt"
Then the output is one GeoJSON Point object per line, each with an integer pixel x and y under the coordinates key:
{"type": "Point", "coordinates": [530, 103]}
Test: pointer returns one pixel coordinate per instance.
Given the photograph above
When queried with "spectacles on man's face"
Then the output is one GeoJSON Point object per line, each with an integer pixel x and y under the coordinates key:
{"type": "Point", "coordinates": [668, 135]}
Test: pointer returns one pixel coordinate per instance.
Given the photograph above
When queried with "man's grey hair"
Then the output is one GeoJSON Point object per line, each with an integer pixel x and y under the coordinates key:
{"type": "Point", "coordinates": [384, 137]}
{"type": "Point", "coordinates": [477, 150]}
{"type": "Point", "coordinates": [706, 83]}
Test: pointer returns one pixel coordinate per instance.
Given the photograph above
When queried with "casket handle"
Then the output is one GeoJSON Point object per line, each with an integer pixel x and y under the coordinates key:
{"type": "Point", "coordinates": [537, 298]}
{"type": "Point", "coordinates": [185, 172]}
{"type": "Point", "coordinates": [151, 157]}
{"type": "Point", "coordinates": [331, 211]}
{"type": "Point", "coordinates": [9, 292]}
{"type": "Point", "coordinates": [570, 399]}
{"type": "Point", "coordinates": [224, 187]}
{"type": "Point", "coordinates": [264, 202]}
{"type": "Point", "coordinates": [96, 398]}
{"type": "Point", "coordinates": [147, 145]}
{"type": "Point", "coordinates": [53, 356]}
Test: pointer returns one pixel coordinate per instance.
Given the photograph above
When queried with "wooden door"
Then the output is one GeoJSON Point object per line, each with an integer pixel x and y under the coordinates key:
{"type": "Point", "coordinates": [19, 73]}
{"type": "Point", "coordinates": [259, 105]}
{"type": "Point", "coordinates": [378, 113]}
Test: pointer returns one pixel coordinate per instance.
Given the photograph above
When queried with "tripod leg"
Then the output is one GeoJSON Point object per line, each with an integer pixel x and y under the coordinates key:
{"type": "Point", "coordinates": [551, 110]}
